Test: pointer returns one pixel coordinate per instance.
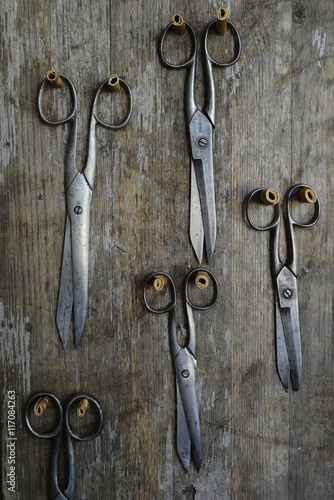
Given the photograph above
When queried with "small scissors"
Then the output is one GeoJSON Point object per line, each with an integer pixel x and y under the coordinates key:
{"type": "Point", "coordinates": [184, 360]}
{"type": "Point", "coordinates": [73, 291]}
{"type": "Point", "coordinates": [201, 126]}
{"type": "Point", "coordinates": [63, 426]}
{"type": "Point", "coordinates": [284, 275]}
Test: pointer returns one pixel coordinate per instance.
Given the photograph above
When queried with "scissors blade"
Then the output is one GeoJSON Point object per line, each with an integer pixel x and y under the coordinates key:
{"type": "Point", "coordinates": [65, 296]}
{"type": "Point", "coordinates": [201, 137]}
{"type": "Point", "coordinates": [288, 303]}
{"type": "Point", "coordinates": [196, 225]}
{"type": "Point", "coordinates": [185, 367]}
{"type": "Point", "coordinates": [183, 443]}
{"type": "Point", "coordinates": [281, 352]}
{"type": "Point", "coordinates": [78, 204]}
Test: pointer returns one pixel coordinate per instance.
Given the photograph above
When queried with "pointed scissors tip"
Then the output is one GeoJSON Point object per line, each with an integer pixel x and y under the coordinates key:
{"type": "Point", "coordinates": [198, 463]}
{"type": "Point", "coordinates": [78, 332]}
{"type": "Point", "coordinates": [63, 336]}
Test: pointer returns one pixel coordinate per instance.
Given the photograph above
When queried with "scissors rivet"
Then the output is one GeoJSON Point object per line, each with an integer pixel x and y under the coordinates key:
{"type": "Point", "coordinates": [185, 374]}
{"type": "Point", "coordinates": [202, 142]}
{"type": "Point", "coordinates": [287, 293]}
{"type": "Point", "coordinates": [78, 210]}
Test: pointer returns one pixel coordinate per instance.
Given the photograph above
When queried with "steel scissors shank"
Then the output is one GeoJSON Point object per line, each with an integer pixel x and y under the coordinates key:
{"type": "Point", "coordinates": [63, 426]}
{"type": "Point", "coordinates": [189, 437]}
{"type": "Point", "coordinates": [284, 275]}
{"type": "Point", "coordinates": [201, 126]}
{"type": "Point", "coordinates": [73, 291]}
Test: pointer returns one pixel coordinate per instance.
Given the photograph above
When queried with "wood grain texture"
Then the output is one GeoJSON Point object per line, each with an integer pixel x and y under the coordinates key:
{"type": "Point", "coordinates": [274, 127]}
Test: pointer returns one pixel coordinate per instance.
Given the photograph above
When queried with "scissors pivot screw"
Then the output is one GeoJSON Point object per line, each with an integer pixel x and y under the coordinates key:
{"type": "Point", "coordinates": [185, 374]}
{"type": "Point", "coordinates": [287, 293]}
{"type": "Point", "coordinates": [202, 142]}
{"type": "Point", "coordinates": [78, 210]}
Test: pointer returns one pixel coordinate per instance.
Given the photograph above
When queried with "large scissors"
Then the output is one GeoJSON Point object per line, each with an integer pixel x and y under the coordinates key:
{"type": "Point", "coordinates": [39, 402]}
{"type": "Point", "coordinates": [73, 291]}
{"type": "Point", "coordinates": [201, 126]}
{"type": "Point", "coordinates": [284, 275]}
{"type": "Point", "coordinates": [184, 359]}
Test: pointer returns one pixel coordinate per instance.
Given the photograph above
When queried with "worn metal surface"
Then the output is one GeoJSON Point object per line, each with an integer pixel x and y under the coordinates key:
{"type": "Point", "coordinates": [274, 127]}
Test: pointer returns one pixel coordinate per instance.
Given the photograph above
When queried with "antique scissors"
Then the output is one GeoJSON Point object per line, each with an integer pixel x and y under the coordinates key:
{"type": "Point", "coordinates": [200, 127]}
{"type": "Point", "coordinates": [184, 359]}
{"type": "Point", "coordinates": [73, 291]}
{"type": "Point", "coordinates": [39, 402]}
{"type": "Point", "coordinates": [284, 275]}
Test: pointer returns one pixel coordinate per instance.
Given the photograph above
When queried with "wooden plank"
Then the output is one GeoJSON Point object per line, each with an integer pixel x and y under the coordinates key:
{"type": "Point", "coordinates": [261, 157]}
{"type": "Point", "coordinates": [311, 436]}
{"type": "Point", "coordinates": [273, 128]}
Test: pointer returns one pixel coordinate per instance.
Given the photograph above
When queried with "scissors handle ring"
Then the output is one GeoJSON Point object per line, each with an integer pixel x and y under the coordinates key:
{"type": "Point", "coordinates": [215, 286]}
{"type": "Point", "coordinates": [73, 112]}
{"type": "Point", "coordinates": [191, 59]}
{"type": "Point", "coordinates": [46, 435]}
{"type": "Point", "coordinates": [277, 213]}
{"type": "Point", "coordinates": [316, 214]}
{"type": "Point", "coordinates": [127, 118]}
{"type": "Point", "coordinates": [75, 435]}
{"type": "Point", "coordinates": [172, 304]}
{"type": "Point", "coordinates": [236, 34]}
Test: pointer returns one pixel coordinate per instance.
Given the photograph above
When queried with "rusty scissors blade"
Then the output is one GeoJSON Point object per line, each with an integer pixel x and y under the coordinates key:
{"type": "Point", "coordinates": [201, 125]}
{"type": "Point", "coordinates": [284, 275]}
{"type": "Point", "coordinates": [73, 290]}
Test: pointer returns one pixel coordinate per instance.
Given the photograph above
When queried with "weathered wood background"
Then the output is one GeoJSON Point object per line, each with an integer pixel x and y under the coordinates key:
{"type": "Point", "coordinates": [274, 128]}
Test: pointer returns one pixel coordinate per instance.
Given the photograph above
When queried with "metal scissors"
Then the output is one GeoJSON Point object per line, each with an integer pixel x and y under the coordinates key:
{"type": "Point", "coordinates": [184, 359]}
{"type": "Point", "coordinates": [284, 275]}
{"type": "Point", "coordinates": [200, 127]}
{"type": "Point", "coordinates": [63, 426]}
{"type": "Point", "coordinates": [73, 291]}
